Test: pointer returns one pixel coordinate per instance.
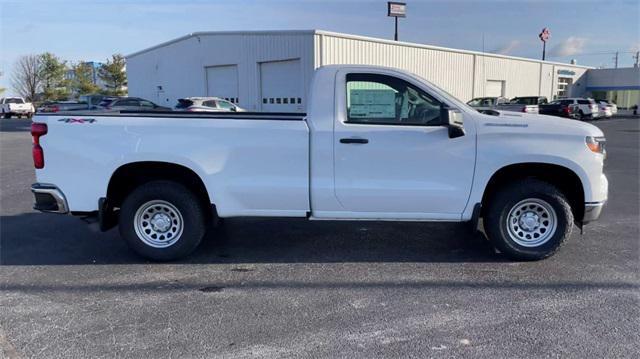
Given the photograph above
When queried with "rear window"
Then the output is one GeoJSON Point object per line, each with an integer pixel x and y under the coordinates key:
{"type": "Point", "coordinates": [584, 102]}
{"type": "Point", "coordinates": [14, 100]}
{"type": "Point", "coordinates": [184, 103]}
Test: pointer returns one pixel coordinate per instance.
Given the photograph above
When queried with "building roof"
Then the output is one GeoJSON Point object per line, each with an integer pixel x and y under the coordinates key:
{"type": "Point", "coordinates": [348, 36]}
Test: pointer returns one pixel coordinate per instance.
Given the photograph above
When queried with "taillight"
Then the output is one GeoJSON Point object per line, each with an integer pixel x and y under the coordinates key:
{"type": "Point", "coordinates": [566, 110]}
{"type": "Point", "coordinates": [38, 130]}
{"type": "Point", "coordinates": [55, 108]}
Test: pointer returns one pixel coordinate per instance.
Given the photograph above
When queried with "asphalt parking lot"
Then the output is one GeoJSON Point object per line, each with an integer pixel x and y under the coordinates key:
{"type": "Point", "coordinates": [291, 288]}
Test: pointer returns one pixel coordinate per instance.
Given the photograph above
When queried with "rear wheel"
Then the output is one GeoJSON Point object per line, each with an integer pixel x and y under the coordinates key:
{"type": "Point", "coordinates": [7, 115]}
{"type": "Point", "coordinates": [162, 221]}
{"type": "Point", "coordinates": [529, 220]}
{"type": "Point", "coordinates": [580, 115]}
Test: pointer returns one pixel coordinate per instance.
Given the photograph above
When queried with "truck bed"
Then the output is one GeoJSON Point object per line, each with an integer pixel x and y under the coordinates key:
{"type": "Point", "coordinates": [253, 164]}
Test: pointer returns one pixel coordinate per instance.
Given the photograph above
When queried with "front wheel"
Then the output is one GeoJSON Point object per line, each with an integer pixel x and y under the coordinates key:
{"type": "Point", "coordinates": [162, 221]}
{"type": "Point", "coordinates": [7, 115]}
{"type": "Point", "coordinates": [528, 220]}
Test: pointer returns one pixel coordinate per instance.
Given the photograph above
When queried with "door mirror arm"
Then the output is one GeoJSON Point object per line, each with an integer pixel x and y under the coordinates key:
{"type": "Point", "coordinates": [453, 120]}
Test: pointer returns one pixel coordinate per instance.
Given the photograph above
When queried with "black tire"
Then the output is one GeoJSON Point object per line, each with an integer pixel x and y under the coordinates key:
{"type": "Point", "coordinates": [189, 209]}
{"type": "Point", "coordinates": [581, 115]}
{"type": "Point", "coordinates": [500, 206]}
{"type": "Point", "coordinates": [7, 115]}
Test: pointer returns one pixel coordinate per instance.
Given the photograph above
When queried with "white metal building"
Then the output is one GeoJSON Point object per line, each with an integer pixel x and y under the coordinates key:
{"type": "Point", "coordinates": [272, 70]}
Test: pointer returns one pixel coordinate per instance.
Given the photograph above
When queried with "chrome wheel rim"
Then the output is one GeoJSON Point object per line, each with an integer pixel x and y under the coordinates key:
{"type": "Point", "coordinates": [531, 222]}
{"type": "Point", "coordinates": [158, 224]}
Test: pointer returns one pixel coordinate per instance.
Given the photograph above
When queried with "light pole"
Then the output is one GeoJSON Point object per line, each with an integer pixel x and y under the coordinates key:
{"type": "Point", "coordinates": [396, 10]}
{"type": "Point", "coordinates": [544, 36]}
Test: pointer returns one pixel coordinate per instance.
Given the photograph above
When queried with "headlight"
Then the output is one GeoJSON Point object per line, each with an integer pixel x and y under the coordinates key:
{"type": "Point", "coordinates": [596, 144]}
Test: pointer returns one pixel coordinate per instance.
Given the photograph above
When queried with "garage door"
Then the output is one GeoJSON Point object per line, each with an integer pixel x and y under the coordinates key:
{"type": "Point", "coordinates": [222, 81]}
{"type": "Point", "coordinates": [494, 88]}
{"type": "Point", "coordinates": [281, 86]}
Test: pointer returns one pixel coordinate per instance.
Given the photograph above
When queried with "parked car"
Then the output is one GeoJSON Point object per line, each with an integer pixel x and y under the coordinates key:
{"type": "Point", "coordinates": [611, 105]}
{"type": "Point", "coordinates": [561, 108]}
{"type": "Point", "coordinates": [376, 144]}
{"type": "Point", "coordinates": [206, 104]}
{"type": "Point", "coordinates": [106, 101]}
{"type": "Point", "coordinates": [529, 100]}
{"type": "Point", "coordinates": [93, 100]}
{"type": "Point", "coordinates": [486, 103]}
{"type": "Point", "coordinates": [131, 104]}
{"type": "Point", "coordinates": [16, 106]}
{"type": "Point", "coordinates": [587, 108]}
{"type": "Point", "coordinates": [63, 106]}
{"type": "Point", "coordinates": [526, 104]}
{"type": "Point", "coordinates": [604, 110]}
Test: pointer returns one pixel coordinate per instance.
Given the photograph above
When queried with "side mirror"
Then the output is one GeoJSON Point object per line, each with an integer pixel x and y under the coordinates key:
{"type": "Point", "coordinates": [453, 119]}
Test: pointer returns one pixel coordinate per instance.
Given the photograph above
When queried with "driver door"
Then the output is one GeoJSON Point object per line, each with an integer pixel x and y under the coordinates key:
{"type": "Point", "coordinates": [393, 157]}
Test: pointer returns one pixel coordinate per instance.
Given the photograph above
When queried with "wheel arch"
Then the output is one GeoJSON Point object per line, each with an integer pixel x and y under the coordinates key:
{"type": "Point", "coordinates": [129, 176]}
{"type": "Point", "coordinates": [564, 178]}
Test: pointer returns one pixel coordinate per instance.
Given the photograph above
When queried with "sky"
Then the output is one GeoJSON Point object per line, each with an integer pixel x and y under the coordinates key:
{"type": "Point", "coordinates": [589, 31]}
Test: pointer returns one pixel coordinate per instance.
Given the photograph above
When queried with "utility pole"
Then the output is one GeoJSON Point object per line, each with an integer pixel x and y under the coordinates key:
{"type": "Point", "coordinates": [637, 57]}
{"type": "Point", "coordinates": [616, 60]}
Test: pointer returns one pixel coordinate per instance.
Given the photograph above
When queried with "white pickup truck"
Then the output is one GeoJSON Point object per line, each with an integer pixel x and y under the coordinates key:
{"type": "Point", "coordinates": [16, 106]}
{"type": "Point", "coordinates": [377, 144]}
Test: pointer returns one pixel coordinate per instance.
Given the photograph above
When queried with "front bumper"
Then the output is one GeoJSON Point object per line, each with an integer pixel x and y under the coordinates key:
{"type": "Point", "coordinates": [592, 211]}
{"type": "Point", "coordinates": [49, 198]}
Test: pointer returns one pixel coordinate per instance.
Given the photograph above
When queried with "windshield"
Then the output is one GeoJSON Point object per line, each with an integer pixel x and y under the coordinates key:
{"type": "Point", "coordinates": [475, 102]}
{"type": "Point", "coordinates": [106, 102]}
{"type": "Point", "coordinates": [184, 103]}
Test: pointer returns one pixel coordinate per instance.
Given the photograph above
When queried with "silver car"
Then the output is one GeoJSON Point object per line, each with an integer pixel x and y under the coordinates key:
{"type": "Point", "coordinates": [206, 104]}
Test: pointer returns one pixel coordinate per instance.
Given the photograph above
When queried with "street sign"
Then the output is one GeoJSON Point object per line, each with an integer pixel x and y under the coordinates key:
{"type": "Point", "coordinates": [397, 9]}
{"type": "Point", "coordinates": [544, 35]}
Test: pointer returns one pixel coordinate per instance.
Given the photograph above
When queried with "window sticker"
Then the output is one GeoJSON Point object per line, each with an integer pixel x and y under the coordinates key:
{"type": "Point", "coordinates": [372, 103]}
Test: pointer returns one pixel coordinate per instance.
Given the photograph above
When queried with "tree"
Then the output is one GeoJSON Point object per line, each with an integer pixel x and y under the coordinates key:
{"type": "Point", "coordinates": [52, 70]}
{"type": "Point", "coordinates": [26, 78]}
{"type": "Point", "coordinates": [114, 75]}
{"type": "Point", "coordinates": [82, 83]}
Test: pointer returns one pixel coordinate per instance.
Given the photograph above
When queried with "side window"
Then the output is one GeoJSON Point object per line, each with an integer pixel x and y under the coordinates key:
{"type": "Point", "coordinates": [225, 105]}
{"type": "Point", "coordinates": [387, 100]}
{"type": "Point", "coordinates": [583, 102]}
{"type": "Point", "coordinates": [209, 103]}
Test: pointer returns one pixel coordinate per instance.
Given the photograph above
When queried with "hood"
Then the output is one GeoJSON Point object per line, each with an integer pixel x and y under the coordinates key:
{"type": "Point", "coordinates": [534, 123]}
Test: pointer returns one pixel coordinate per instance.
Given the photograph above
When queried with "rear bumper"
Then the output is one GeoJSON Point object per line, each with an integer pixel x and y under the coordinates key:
{"type": "Point", "coordinates": [592, 211]}
{"type": "Point", "coordinates": [49, 198]}
{"type": "Point", "coordinates": [21, 111]}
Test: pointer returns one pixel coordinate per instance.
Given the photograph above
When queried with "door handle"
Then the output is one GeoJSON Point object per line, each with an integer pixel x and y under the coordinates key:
{"type": "Point", "coordinates": [354, 140]}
